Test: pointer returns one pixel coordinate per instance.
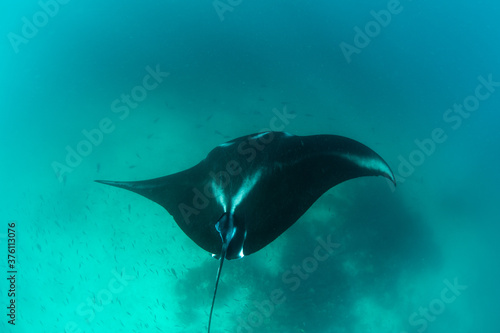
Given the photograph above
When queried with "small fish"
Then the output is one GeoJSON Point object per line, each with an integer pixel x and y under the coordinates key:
{"type": "Point", "coordinates": [173, 272]}
{"type": "Point", "coordinates": [98, 167]}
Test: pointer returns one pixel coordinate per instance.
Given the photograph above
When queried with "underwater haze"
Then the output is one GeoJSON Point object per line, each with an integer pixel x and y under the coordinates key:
{"type": "Point", "coordinates": [133, 90]}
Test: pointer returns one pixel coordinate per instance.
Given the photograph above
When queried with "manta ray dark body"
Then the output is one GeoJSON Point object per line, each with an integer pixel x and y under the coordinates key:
{"type": "Point", "coordinates": [248, 191]}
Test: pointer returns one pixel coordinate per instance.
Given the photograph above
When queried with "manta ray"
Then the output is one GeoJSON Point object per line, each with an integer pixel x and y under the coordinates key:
{"type": "Point", "coordinates": [249, 190]}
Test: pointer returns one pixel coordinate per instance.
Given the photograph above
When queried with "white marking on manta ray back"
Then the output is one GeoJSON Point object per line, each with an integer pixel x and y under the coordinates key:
{"type": "Point", "coordinates": [368, 163]}
{"type": "Point", "coordinates": [232, 234]}
{"type": "Point", "coordinates": [241, 254]}
{"type": "Point", "coordinates": [226, 144]}
{"type": "Point", "coordinates": [259, 135]}
{"type": "Point", "coordinates": [245, 188]}
{"type": "Point", "coordinates": [219, 195]}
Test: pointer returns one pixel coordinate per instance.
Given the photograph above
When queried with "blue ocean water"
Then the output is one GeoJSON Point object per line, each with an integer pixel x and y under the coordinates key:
{"type": "Point", "coordinates": [136, 90]}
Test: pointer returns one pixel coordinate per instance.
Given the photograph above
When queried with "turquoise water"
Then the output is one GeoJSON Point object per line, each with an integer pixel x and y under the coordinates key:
{"type": "Point", "coordinates": [417, 81]}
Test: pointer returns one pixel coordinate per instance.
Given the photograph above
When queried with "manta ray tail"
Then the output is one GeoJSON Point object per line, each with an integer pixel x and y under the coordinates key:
{"type": "Point", "coordinates": [223, 255]}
